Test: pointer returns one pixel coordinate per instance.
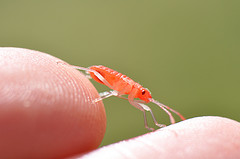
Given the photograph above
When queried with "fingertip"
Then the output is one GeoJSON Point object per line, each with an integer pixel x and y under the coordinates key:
{"type": "Point", "coordinates": [46, 109]}
{"type": "Point", "coordinates": [202, 137]}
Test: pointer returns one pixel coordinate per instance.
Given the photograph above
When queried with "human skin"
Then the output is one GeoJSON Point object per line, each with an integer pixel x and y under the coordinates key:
{"type": "Point", "coordinates": [46, 111]}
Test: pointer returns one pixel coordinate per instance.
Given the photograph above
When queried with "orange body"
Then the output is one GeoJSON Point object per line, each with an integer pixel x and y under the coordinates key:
{"type": "Point", "coordinates": [120, 82]}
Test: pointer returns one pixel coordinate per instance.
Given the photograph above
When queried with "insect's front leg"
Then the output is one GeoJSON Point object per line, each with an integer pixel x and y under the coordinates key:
{"type": "Point", "coordinates": [143, 109]}
{"type": "Point", "coordinates": [146, 108]}
{"type": "Point", "coordinates": [139, 105]}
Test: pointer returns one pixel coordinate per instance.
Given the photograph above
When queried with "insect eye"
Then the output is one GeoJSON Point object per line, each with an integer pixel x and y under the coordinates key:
{"type": "Point", "coordinates": [143, 92]}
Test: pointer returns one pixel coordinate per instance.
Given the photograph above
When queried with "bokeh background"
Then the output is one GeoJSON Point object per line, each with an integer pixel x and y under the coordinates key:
{"type": "Point", "coordinates": [186, 52]}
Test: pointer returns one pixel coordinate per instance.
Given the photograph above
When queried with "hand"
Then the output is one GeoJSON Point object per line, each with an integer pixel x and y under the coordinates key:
{"type": "Point", "coordinates": [46, 111]}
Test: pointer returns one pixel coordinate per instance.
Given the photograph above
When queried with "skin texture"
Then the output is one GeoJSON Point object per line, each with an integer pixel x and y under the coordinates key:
{"type": "Point", "coordinates": [46, 112]}
{"type": "Point", "coordinates": [46, 109]}
{"type": "Point", "coordinates": [198, 138]}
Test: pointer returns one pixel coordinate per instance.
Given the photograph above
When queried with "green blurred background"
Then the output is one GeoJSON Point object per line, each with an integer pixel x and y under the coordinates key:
{"type": "Point", "coordinates": [186, 52]}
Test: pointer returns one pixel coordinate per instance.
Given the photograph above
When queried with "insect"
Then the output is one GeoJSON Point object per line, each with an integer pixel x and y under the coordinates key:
{"type": "Point", "coordinates": [123, 85]}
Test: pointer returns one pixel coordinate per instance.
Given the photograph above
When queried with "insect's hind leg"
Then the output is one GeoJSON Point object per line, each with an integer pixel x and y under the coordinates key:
{"type": "Point", "coordinates": [99, 76]}
{"type": "Point", "coordinates": [77, 67]}
{"type": "Point", "coordinates": [87, 70]}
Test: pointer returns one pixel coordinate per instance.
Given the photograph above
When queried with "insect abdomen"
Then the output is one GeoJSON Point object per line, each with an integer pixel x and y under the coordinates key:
{"type": "Point", "coordinates": [117, 80]}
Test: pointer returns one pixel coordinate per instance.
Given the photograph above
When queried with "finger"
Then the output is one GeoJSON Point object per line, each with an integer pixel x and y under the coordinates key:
{"type": "Point", "coordinates": [46, 109]}
{"type": "Point", "coordinates": [202, 137]}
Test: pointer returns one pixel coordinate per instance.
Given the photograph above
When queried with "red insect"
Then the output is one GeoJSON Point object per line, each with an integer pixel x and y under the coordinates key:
{"type": "Point", "coordinates": [123, 85]}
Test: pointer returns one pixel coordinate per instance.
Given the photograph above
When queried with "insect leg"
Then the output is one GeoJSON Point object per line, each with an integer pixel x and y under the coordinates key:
{"type": "Point", "coordinates": [145, 122]}
{"type": "Point", "coordinates": [77, 67]}
{"type": "Point", "coordinates": [145, 107]}
{"type": "Point", "coordinates": [106, 94]}
{"type": "Point", "coordinates": [99, 76]}
{"type": "Point", "coordinates": [137, 105]}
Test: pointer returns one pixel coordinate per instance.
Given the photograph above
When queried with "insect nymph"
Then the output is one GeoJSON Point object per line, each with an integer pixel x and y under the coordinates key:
{"type": "Point", "coordinates": [123, 85]}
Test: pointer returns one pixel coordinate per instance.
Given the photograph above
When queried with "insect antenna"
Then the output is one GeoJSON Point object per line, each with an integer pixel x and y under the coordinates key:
{"type": "Point", "coordinates": [164, 107]}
